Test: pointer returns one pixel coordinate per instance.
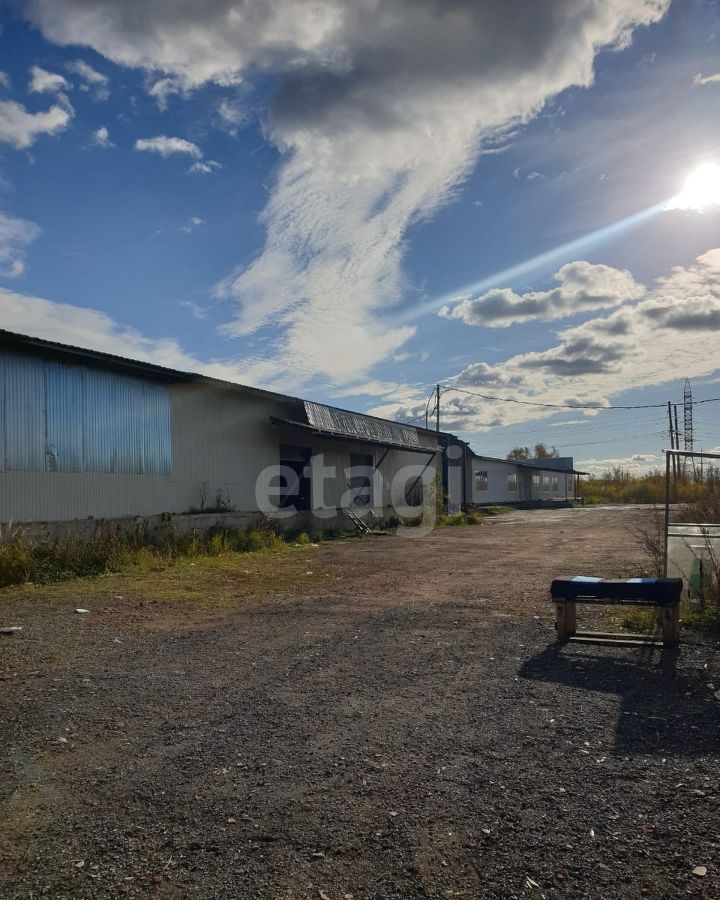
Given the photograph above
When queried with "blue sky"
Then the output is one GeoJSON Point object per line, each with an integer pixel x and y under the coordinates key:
{"type": "Point", "coordinates": [323, 198]}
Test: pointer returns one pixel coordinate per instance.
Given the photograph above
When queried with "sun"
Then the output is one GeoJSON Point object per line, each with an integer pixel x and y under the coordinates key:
{"type": "Point", "coordinates": [701, 190]}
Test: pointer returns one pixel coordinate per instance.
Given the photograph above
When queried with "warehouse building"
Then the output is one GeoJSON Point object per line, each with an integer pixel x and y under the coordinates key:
{"type": "Point", "coordinates": [86, 435]}
{"type": "Point", "coordinates": [471, 479]}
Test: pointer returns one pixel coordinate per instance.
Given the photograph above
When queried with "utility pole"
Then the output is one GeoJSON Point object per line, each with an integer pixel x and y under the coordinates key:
{"type": "Point", "coordinates": [680, 470]}
{"type": "Point", "coordinates": [672, 441]}
{"type": "Point", "coordinates": [437, 407]}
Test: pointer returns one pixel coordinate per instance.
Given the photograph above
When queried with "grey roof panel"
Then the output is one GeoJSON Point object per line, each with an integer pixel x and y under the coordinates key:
{"type": "Point", "coordinates": [356, 425]}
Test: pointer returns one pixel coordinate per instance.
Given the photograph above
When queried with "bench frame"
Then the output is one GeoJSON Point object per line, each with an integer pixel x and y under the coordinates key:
{"type": "Point", "coordinates": [566, 618]}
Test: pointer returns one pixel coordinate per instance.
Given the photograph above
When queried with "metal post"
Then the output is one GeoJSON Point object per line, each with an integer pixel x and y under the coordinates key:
{"type": "Point", "coordinates": [667, 510]}
{"type": "Point", "coordinates": [437, 407]}
{"type": "Point", "coordinates": [680, 463]}
{"type": "Point", "coordinates": [672, 436]}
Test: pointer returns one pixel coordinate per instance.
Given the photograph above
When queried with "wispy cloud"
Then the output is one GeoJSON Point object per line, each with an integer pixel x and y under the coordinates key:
{"type": "Point", "coordinates": [101, 138]}
{"type": "Point", "coordinates": [204, 167]}
{"type": "Point", "coordinates": [707, 79]}
{"type": "Point", "coordinates": [15, 235]}
{"type": "Point", "coordinates": [192, 223]}
{"type": "Point", "coordinates": [44, 82]}
{"type": "Point", "coordinates": [168, 146]}
{"type": "Point", "coordinates": [92, 80]}
{"type": "Point", "coordinates": [380, 112]}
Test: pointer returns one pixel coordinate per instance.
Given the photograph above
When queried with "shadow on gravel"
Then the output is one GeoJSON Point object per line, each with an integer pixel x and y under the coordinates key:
{"type": "Point", "coordinates": [663, 711]}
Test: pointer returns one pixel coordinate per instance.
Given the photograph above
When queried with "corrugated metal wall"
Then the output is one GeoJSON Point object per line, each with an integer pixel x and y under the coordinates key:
{"type": "Point", "coordinates": [69, 418]}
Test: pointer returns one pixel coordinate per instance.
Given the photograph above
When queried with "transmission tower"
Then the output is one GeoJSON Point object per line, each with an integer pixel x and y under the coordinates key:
{"type": "Point", "coordinates": [688, 408]}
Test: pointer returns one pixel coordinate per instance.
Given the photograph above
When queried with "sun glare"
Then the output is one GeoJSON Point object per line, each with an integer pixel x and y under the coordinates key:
{"type": "Point", "coordinates": [701, 190]}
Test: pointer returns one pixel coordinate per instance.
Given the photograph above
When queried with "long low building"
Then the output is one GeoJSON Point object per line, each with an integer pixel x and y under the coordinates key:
{"type": "Point", "coordinates": [86, 435]}
{"type": "Point", "coordinates": [471, 479]}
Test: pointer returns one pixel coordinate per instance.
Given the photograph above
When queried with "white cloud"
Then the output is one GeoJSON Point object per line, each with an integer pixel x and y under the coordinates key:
{"type": "Point", "coordinates": [101, 138]}
{"type": "Point", "coordinates": [4, 80]}
{"type": "Point", "coordinates": [205, 167]}
{"type": "Point", "coordinates": [167, 146]}
{"type": "Point", "coordinates": [15, 236]}
{"type": "Point", "coordinates": [583, 287]}
{"type": "Point", "coordinates": [707, 79]}
{"type": "Point", "coordinates": [162, 89]}
{"type": "Point", "coordinates": [21, 128]}
{"type": "Point", "coordinates": [381, 111]}
{"type": "Point", "coordinates": [92, 80]}
{"type": "Point", "coordinates": [192, 223]}
{"type": "Point", "coordinates": [44, 82]}
{"type": "Point", "coordinates": [232, 115]}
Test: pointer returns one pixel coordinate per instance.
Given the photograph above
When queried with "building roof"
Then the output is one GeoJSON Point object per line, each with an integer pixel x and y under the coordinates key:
{"type": "Point", "coordinates": [330, 421]}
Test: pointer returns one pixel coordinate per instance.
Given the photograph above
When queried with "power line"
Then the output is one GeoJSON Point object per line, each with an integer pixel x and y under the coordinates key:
{"type": "Point", "coordinates": [569, 405]}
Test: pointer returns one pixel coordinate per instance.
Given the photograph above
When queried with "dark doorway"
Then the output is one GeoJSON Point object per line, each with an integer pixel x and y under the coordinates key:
{"type": "Point", "coordinates": [295, 487]}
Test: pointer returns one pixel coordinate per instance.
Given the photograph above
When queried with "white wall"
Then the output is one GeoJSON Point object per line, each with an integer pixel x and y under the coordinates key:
{"type": "Point", "coordinates": [552, 485]}
{"type": "Point", "coordinates": [497, 472]}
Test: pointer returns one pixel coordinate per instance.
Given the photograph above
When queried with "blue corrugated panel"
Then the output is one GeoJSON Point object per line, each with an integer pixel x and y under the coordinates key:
{"type": "Point", "coordinates": [70, 418]}
{"type": "Point", "coordinates": [24, 390]}
{"type": "Point", "coordinates": [64, 398]}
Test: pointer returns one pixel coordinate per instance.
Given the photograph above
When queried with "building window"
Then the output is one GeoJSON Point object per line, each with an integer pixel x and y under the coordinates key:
{"type": "Point", "coordinates": [546, 482]}
{"type": "Point", "coordinates": [512, 482]}
{"type": "Point", "coordinates": [481, 481]}
{"type": "Point", "coordinates": [554, 484]}
{"type": "Point", "coordinates": [537, 482]}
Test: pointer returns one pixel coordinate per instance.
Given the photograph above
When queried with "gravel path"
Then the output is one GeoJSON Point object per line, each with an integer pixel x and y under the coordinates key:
{"type": "Point", "coordinates": [379, 718]}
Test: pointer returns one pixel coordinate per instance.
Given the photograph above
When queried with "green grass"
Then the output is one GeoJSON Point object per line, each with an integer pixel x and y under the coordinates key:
{"type": "Point", "coordinates": [645, 621]}
{"type": "Point", "coordinates": [44, 562]}
{"type": "Point", "coordinates": [468, 518]}
{"type": "Point", "coordinates": [497, 510]}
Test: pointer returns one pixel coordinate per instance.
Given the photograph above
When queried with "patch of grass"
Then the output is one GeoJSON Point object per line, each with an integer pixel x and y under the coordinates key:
{"type": "Point", "coordinates": [646, 621]}
{"type": "Point", "coordinates": [497, 510]}
{"type": "Point", "coordinates": [44, 562]}
{"type": "Point", "coordinates": [469, 518]}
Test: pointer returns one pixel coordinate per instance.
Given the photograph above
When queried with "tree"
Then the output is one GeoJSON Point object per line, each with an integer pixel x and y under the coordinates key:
{"type": "Point", "coordinates": [543, 452]}
{"type": "Point", "coordinates": [519, 453]}
{"type": "Point", "coordinates": [539, 451]}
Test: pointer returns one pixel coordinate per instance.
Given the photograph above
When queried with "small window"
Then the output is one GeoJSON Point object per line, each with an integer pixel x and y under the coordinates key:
{"type": "Point", "coordinates": [481, 481]}
{"type": "Point", "coordinates": [554, 484]}
{"type": "Point", "coordinates": [537, 481]}
{"type": "Point", "coordinates": [512, 482]}
{"type": "Point", "coordinates": [546, 482]}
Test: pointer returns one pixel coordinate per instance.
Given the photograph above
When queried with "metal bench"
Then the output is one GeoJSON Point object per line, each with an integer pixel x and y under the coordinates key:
{"type": "Point", "coordinates": [664, 593]}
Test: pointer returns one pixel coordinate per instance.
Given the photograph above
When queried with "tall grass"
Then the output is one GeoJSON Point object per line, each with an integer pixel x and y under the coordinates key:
{"type": "Point", "coordinates": [24, 560]}
{"type": "Point", "coordinates": [617, 485]}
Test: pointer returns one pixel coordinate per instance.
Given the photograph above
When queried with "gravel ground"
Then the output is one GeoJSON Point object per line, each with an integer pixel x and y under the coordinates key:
{"type": "Point", "coordinates": [377, 718]}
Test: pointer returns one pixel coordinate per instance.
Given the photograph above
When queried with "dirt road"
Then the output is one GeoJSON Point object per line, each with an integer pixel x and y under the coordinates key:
{"type": "Point", "coordinates": [377, 718]}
